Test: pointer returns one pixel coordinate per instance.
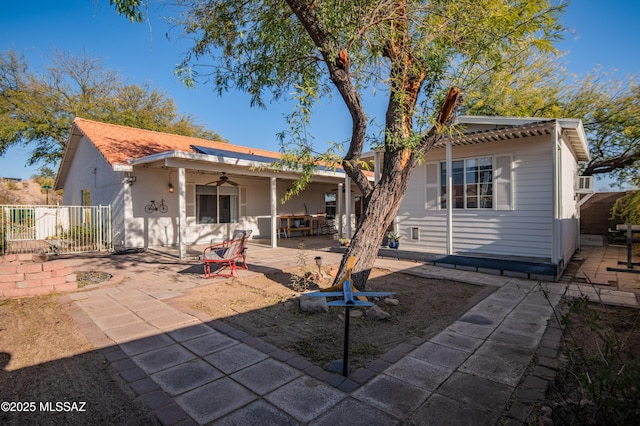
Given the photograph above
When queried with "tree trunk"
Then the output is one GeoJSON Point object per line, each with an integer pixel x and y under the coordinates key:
{"type": "Point", "coordinates": [383, 202]}
{"type": "Point", "coordinates": [405, 81]}
{"type": "Point", "coordinates": [378, 215]}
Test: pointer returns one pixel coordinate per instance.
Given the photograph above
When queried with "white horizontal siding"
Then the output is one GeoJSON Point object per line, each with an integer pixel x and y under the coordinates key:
{"type": "Point", "coordinates": [524, 231]}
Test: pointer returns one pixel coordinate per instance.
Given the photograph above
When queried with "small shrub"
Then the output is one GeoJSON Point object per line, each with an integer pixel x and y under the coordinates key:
{"type": "Point", "coordinates": [301, 282]}
{"type": "Point", "coordinates": [627, 208]}
{"type": "Point", "coordinates": [81, 234]}
{"type": "Point", "coordinates": [599, 382]}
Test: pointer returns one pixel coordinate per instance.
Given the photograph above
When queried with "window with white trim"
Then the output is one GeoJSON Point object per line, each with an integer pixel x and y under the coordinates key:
{"type": "Point", "coordinates": [216, 204]}
{"type": "Point", "coordinates": [330, 204]}
{"type": "Point", "coordinates": [472, 186]}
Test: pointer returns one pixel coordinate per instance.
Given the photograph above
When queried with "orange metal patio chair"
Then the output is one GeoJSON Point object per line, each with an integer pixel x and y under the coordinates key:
{"type": "Point", "coordinates": [222, 256]}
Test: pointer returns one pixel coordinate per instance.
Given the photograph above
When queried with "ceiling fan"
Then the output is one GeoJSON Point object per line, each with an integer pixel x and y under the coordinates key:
{"type": "Point", "coordinates": [223, 179]}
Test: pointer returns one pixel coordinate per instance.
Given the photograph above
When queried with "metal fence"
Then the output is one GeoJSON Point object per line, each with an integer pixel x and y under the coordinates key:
{"type": "Point", "coordinates": [54, 229]}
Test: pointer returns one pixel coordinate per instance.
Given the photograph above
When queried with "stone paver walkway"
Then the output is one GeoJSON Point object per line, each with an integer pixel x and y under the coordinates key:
{"type": "Point", "coordinates": [190, 370]}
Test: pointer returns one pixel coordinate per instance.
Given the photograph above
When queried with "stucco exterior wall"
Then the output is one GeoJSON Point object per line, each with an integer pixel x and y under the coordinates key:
{"type": "Point", "coordinates": [161, 229]}
{"type": "Point", "coordinates": [89, 170]}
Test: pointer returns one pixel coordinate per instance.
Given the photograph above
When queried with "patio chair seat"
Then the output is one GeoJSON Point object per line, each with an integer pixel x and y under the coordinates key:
{"type": "Point", "coordinates": [224, 255]}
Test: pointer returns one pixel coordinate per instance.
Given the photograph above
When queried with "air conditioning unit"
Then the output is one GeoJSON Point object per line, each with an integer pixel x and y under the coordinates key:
{"type": "Point", "coordinates": [584, 185]}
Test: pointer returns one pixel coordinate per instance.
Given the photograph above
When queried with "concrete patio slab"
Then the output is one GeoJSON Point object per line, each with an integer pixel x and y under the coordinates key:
{"type": "Point", "coordinates": [391, 395]}
{"type": "Point", "coordinates": [305, 398]}
{"type": "Point", "coordinates": [358, 414]}
{"type": "Point", "coordinates": [440, 410]}
{"type": "Point", "coordinates": [422, 374]}
{"type": "Point", "coordinates": [235, 358]}
{"type": "Point", "coordinates": [515, 339]}
{"type": "Point", "coordinates": [499, 362]}
{"type": "Point", "coordinates": [190, 332]}
{"type": "Point", "coordinates": [470, 329]}
{"type": "Point", "coordinates": [146, 344]}
{"type": "Point", "coordinates": [265, 376]}
{"type": "Point", "coordinates": [258, 413]}
{"type": "Point", "coordinates": [130, 332]}
{"type": "Point", "coordinates": [476, 391]}
{"type": "Point", "coordinates": [173, 321]}
{"type": "Point", "coordinates": [186, 376]}
{"type": "Point", "coordinates": [209, 343]}
{"type": "Point", "coordinates": [163, 358]}
{"type": "Point", "coordinates": [213, 400]}
{"type": "Point", "coordinates": [455, 340]}
{"type": "Point", "coordinates": [440, 355]}
{"type": "Point", "coordinates": [114, 321]}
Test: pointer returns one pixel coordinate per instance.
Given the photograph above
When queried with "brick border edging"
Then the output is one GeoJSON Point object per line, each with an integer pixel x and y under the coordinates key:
{"type": "Point", "coordinates": [28, 274]}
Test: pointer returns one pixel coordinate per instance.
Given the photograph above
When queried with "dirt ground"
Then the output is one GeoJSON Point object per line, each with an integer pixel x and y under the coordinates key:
{"type": "Point", "coordinates": [45, 359]}
{"type": "Point", "coordinates": [268, 308]}
{"type": "Point", "coordinates": [598, 381]}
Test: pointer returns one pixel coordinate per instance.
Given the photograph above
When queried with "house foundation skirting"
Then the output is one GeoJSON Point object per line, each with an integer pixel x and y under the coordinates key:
{"type": "Point", "coordinates": [530, 269]}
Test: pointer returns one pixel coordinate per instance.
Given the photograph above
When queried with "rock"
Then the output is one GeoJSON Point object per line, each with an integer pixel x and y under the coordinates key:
{"type": "Point", "coordinates": [391, 301]}
{"type": "Point", "coordinates": [353, 313]}
{"type": "Point", "coordinates": [375, 313]}
{"type": "Point", "coordinates": [313, 304]}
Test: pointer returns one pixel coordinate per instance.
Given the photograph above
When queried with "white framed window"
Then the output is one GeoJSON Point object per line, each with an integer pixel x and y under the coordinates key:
{"type": "Point", "coordinates": [472, 183]}
{"type": "Point", "coordinates": [217, 204]}
{"type": "Point", "coordinates": [478, 183]}
{"type": "Point", "coordinates": [330, 204]}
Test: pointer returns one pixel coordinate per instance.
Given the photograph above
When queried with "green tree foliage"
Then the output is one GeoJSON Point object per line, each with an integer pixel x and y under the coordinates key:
{"type": "Point", "coordinates": [409, 51]}
{"type": "Point", "coordinates": [610, 110]}
{"type": "Point", "coordinates": [540, 87]}
{"type": "Point", "coordinates": [533, 87]}
{"type": "Point", "coordinates": [627, 209]}
{"type": "Point", "coordinates": [37, 109]}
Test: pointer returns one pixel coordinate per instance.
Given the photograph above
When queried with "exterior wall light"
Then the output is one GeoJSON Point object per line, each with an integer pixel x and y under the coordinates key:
{"type": "Point", "coordinates": [171, 187]}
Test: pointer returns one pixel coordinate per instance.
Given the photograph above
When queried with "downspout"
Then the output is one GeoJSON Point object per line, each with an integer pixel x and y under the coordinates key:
{"type": "Point", "coordinates": [182, 214]}
{"type": "Point", "coordinates": [449, 167]}
{"type": "Point", "coordinates": [555, 257]}
{"type": "Point", "coordinates": [274, 213]}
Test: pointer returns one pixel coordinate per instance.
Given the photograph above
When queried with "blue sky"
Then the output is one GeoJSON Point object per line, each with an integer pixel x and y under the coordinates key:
{"type": "Point", "coordinates": [601, 33]}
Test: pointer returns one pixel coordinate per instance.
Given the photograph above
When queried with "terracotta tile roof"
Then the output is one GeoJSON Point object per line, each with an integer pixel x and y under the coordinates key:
{"type": "Point", "coordinates": [120, 143]}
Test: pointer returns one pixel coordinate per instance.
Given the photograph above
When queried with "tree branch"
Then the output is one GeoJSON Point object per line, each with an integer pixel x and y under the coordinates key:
{"type": "Point", "coordinates": [337, 61]}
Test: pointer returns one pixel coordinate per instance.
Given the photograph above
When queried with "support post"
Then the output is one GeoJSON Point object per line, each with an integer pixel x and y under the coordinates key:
{"type": "Point", "coordinates": [182, 213]}
{"type": "Point", "coordinates": [345, 352]}
{"type": "Point", "coordinates": [274, 213]}
{"type": "Point", "coordinates": [449, 167]}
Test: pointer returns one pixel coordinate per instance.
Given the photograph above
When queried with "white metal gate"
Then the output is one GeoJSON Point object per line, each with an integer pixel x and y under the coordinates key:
{"type": "Point", "coordinates": [54, 229]}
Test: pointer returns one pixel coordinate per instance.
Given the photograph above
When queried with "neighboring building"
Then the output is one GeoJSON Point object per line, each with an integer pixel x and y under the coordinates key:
{"type": "Point", "coordinates": [169, 190]}
{"type": "Point", "coordinates": [512, 201]}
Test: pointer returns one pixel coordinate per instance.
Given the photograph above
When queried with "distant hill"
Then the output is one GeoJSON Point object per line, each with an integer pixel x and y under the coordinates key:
{"type": "Point", "coordinates": [26, 192]}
